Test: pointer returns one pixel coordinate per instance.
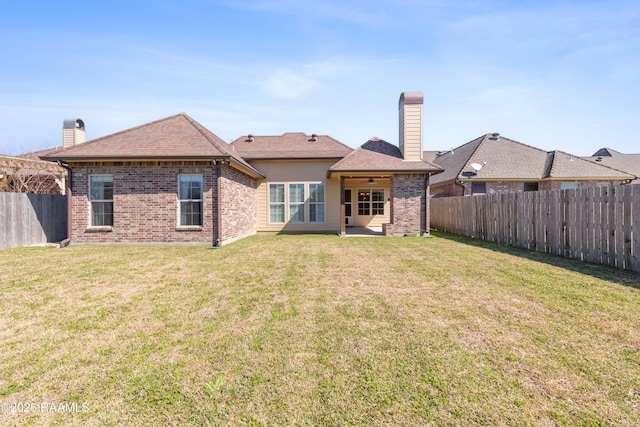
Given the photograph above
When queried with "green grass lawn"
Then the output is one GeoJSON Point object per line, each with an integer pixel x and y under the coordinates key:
{"type": "Point", "coordinates": [318, 330]}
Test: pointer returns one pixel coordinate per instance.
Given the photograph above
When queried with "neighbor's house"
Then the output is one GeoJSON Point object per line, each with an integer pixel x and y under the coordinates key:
{"type": "Point", "coordinates": [629, 163]}
{"type": "Point", "coordinates": [172, 180]}
{"type": "Point", "coordinates": [493, 163]}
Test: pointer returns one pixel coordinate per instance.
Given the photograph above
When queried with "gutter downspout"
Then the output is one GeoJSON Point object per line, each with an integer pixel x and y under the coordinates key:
{"type": "Point", "coordinates": [66, 241]}
{"type": "Point", "coordinates": [458, 183]}
{"type": "Point", "coordinates": [427, 205]}
{"type": "Point", "coordinates": [217, 235]}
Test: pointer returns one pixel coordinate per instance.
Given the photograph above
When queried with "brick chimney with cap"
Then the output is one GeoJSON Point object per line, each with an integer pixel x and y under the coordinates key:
{"type": "Point", "coordinates": [410, 125]}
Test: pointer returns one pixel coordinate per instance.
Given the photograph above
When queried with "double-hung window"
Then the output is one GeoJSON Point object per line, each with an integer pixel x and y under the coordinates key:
{"type": "Point", "coordinates": [316, 202]}
{"type": "Point", "coordinates": [364, 202]}
{"type": "Point", "coordinates": [377, 202]}
{"type": "Point", "coordinates": [190, 199]}
{"type": "Point", "coordinates": [101, 198]}
{"type": "Point", "coordinates": [296, 203]}
{"type": "Point", "coordinates": [276, 203]}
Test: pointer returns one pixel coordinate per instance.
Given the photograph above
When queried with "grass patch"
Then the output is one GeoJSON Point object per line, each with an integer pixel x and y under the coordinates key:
{"type": "Point", "coordinates": [319, 330]}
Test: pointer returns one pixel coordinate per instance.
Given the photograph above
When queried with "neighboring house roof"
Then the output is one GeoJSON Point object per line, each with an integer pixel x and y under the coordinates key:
{"type": "Point", "coordinates": [629, 163]}
{"type": "Point", "coordinates": [502, 158]}
{"type": "Point", "coordinates": [38, 155]}
{"type": "Point", "coordinates": [293, 145]}
{"type": "Point", "coordinates": [177, 137]}
{"type": "Point", "coordinates": [377, 155]}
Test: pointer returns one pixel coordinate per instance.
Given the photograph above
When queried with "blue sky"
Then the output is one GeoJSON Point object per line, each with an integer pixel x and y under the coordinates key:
{"type": "Point", "coordinates": [553, 74]}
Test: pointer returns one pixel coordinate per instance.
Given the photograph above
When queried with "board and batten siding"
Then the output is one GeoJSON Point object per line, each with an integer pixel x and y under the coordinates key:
{"type": "Point", "coordinates": [297, 171]}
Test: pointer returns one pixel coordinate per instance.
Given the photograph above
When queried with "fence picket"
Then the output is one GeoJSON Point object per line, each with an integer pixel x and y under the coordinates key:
{"type": "Point", "coordinates": [600, 225]}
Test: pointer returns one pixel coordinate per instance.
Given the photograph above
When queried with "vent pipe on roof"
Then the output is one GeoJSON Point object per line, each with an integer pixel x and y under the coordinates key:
{"type": "Point", "coordinates": [495, 136]}
{"type": "Point", "coordinates": [249, 138]}
{"type": "Point", "coordinates": [314, 137]}
{"type": "Point", "coordinates": [599, 159]}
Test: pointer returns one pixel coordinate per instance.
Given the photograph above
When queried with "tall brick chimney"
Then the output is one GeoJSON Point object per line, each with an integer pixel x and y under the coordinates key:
{"type": "Point", "coordinates": [410, 109]}
{"type": "Point", "coordinates": [73, 132]}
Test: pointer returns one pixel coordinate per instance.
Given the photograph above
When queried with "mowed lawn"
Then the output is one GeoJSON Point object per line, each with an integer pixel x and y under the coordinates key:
{"type": "Point", "coordinates": [318, 330]}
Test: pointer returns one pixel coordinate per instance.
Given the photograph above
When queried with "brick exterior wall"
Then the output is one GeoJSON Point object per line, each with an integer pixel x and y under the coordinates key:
{"type": "Point", "coordinates": [238, 194]}
{"type": "Point", "coordinates": [408, 204]}
{"type": "Point", "coordinates": [146, 208]}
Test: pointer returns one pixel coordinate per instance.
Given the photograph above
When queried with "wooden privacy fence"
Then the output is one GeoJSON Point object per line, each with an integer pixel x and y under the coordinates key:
{"type": "Point", "coordinates": [32, 219]}
{"type": "Point", "coordinates": [599, 225]}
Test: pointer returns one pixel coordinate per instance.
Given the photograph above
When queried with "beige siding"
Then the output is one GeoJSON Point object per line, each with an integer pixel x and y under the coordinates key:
{"type": "Point", "coordinates": [310, 171]}
{"type": "Point", "coordinates": [71, 137]}
{"type": "Point", "coordinates": [411, 131]}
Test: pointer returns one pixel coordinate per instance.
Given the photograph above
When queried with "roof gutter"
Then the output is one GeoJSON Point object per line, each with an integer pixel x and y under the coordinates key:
{"type": "Point", "coordinates": [65, 242]}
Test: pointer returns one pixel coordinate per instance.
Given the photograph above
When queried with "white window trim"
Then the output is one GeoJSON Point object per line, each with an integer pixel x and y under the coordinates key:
{"type": "Point", "coordinates": [90, 219]}
{"type": "Point", "coordinates": [270, 203]}
{"type": "Point", "coordinates": [288, 204]}
{"type": "Point", "coordinates": [370, 202]}
{"type": "Point", "coordinates": [201, 200]}
{"type": "Point", "coordinates": [323, 203]}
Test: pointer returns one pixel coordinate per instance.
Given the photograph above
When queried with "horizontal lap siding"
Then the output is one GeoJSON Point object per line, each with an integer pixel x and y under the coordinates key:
{"type": "Point", "coordinates": [595, 224]}
{"type": "Point", "coordinates": [301, 171]}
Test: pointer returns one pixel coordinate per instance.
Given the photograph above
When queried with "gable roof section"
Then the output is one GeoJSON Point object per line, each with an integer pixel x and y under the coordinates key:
{"type": "Point", "coordinates": [377, 155]}
{"type": "Point", "coordinates": [177, 137]}
{"type": "Point", "coordinates": [507, 159]}
{"type": "Point", "coordinates": [293, 145]}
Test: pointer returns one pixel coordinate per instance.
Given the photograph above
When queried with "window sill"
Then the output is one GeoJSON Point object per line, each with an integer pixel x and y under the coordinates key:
{"type": "Point", "coordinates": [189, 228]}
{"type": "Point", "coordinates": [99, 229]}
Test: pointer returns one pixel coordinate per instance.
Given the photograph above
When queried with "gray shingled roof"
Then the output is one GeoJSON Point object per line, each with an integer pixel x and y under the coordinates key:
{"type": "Point", "coordinates": [177, 137]}
{"type": "Point", "coordinates": [293, 145]}
{"type": "Point", "coordinates": [629, 163]}
{"type": "Point", "coordinates": [377, 155]}
{"type": "Point", "coordinates": [507, 159]}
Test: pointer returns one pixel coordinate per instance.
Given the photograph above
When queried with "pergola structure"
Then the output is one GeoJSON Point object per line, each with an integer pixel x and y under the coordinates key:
{"type": "Point", "coordinates": [21, 175]}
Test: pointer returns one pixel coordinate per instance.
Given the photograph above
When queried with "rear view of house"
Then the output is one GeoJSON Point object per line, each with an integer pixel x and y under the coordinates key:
{"type": "Point", "coordinates": [172, 180]}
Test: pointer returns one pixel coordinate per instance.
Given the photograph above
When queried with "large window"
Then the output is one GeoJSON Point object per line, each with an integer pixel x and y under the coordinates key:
{"type": "Point", "coordinates": [370, 202]}
{"type": "Point", "coordinates": [101, 198]}
{"type": "Point", "coordinates": [190, 196]}
{"type": "Point", "coordinates": [276, 203]}
{"type": "Point", "coordinates": [316, 202]}
{"type": "Point", "coordinates": [569, 185]}
{"type": "Point", "coordinates": [296, 203]}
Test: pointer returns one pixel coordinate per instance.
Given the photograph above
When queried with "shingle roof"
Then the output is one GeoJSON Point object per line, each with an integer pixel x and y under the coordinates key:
{"type": "Point", "coordinates": [506, 159]}
{"type": "Point", "coordinates": [177, 137]}
{"type": "Point", "coordinates": [293, 145]}
{"type": "Point", "coordinates": [566, 165]}
{"type": "Point", "coordinates": [629, 163]}
{"type": "Point", "coordinates": [377, 155]}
